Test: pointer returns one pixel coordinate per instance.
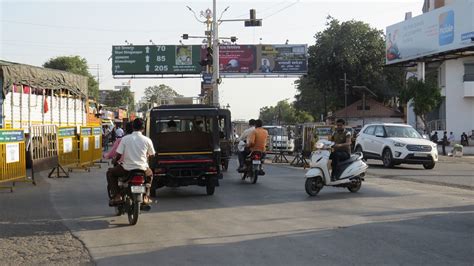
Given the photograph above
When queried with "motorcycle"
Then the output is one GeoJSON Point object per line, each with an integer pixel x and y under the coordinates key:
{"type": "Point", "coordinates": [132, 188]}
{"type": "Point", "coordinates": [253, 166]}
{"type": "Point", "coordinates": [349, 173]}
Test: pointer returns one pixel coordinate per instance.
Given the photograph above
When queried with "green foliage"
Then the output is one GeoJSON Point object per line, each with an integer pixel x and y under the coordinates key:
{"type": "Point", "coordinates": [160, 94]}
{"type": "Point", "coordinates": [426, 96]}
{"type": "Point", "coordinates": [350, 47]}
{"type": "Point", "coordinates": [76, 65]}
{"type": "Point", "coordinates": [121, 98]}
{"type": "Point", "coordinates": [283, 113]}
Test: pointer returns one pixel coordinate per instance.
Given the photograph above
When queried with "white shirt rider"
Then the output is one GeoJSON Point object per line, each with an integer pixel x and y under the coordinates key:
{"type": "Point", "coordinates": [243, 138]}
{"type": "Point", "coordinates": [135, 149]}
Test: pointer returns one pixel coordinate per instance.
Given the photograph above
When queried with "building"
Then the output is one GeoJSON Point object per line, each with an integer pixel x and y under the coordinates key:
{"type": "Point", "coordinates": [440, 41]}
{"type": "Point", "coordinates": [375, 112]}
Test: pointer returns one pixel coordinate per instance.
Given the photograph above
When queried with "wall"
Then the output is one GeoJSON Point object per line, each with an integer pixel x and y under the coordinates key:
{"type": "Point", "coordinates": [459, 109]}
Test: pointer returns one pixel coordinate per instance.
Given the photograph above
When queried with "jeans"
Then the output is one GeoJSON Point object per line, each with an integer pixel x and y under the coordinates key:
{"type": "Point", "coordinates": [337, 157]}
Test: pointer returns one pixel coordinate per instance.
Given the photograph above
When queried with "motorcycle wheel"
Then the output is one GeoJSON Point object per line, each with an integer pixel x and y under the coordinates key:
{"type": "Point", "coordinates": [254, 177]}
{"type": "Point", "coordinates": [313, 186]}
{"type": "Point", "coordinates": [354, 188]}
{"type": "Point", "coordinates": [118, 210]}
{"type": "Point", "coordinates": [133, 211]}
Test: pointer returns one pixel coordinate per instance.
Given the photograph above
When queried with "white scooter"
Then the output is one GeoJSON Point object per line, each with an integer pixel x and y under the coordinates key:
{"type": "Point", "coordinates": [350, 173]}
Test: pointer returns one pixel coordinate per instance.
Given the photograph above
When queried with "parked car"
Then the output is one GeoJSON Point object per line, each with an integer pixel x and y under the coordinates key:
{"type": "Point", "coordinates": [395, 144]}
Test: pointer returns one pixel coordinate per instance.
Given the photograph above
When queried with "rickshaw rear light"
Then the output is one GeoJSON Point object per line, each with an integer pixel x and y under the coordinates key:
{"type": "Point", "coordinates": [160, 170]}
{"type": "Point", "coordinates": [137, 180]}
{"type": "Point", "coordinates": [212, 169]}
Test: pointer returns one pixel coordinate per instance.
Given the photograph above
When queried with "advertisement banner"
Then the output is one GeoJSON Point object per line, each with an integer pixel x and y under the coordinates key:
{"type": "Point", "coordinates": [12, 152]}
{"type": "Point", "coordinates": [237, 58]}
{"type": "Point", "coordinates": [67, 145]}
{"type": "Point", "coordinates": [283, 59]}
{"type": "Point", "coordinates": [444, 29]}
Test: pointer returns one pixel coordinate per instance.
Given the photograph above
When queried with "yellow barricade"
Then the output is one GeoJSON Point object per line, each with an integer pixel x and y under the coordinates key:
{"type": "Point", "coordinates": [86, 142]}
{"type": "Point", "coordinates": [67, 144]}
{"type": "Point", "coordinates": [97, 148]}
{"type": "Point", "coordinates": [12, 155]}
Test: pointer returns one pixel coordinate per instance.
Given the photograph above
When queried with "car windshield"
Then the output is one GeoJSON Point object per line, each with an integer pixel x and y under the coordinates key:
{"type": "Point", "coordinates": [402, 132]}
{"type": "Point", "coordinates": [276, 131]}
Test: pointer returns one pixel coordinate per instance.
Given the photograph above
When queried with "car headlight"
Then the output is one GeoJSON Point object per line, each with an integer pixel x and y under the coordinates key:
{"type": "Point", "coordinates": [399, 144]}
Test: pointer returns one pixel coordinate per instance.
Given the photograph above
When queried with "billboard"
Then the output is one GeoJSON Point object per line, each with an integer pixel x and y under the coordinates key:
{"type": "Point", "coordinates": [233, 59]}
{"type": "Point", "coordinates": [155, 59]}
{"type": "Point", "coordinates": [441, 30]}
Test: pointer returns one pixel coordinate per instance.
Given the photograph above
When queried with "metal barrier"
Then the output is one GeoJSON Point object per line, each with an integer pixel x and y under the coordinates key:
{"type": "Point", "coordinates": [12, 156]}
{"type": "Point", "coordinates": [43, 148]}
{"type": "Point", "coordinates": [97, 149]}
{"type": "Point", "coordinates": [67, 146]}
{"type": "Point", "coordinates": [85, 149]}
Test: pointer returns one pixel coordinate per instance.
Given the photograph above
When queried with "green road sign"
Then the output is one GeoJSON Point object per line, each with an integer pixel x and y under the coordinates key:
{"type": "Point", "coordinates": [156, 59]}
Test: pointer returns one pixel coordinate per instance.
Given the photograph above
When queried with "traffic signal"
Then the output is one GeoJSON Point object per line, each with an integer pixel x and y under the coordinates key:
{"type": "Point", "coordinates": [253, 21]}
{"type": "Point", "coordinates": [208, 59]}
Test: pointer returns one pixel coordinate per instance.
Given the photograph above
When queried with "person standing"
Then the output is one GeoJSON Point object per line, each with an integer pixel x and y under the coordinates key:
{"type": "Point", "coordinates": [435, 138]}
{"type": "Point", "coordinates": [444, 142]}
{"type": "Point", "coordinates": [451, 138]}
{"type": "Point", "coordinates": [119, 132]}
{"type": "Point", "coordinates": [106, 137]}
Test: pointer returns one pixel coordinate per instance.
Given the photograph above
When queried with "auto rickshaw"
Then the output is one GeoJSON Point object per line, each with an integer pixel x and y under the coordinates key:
{"type": "Point", "coordinates": [188, 153]}
{"type": "Point", "coordinates": [225, 137]}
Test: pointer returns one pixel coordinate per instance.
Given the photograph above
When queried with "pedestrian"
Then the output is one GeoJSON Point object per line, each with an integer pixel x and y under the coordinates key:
{"type": "Point", "coordinates": [464, 139]}
{"type": "Point", "coordinates": [434, 137]}
{"type": "Point", "coordinates": [451, 138]}
{"type": "Point", "coordinates": [106, 137]}
{"type": "Point", "coordinates": [444, 142]}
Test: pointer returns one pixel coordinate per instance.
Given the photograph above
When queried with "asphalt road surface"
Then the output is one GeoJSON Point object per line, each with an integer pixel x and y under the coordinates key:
{"type": "Point", "coordinates": [274, 222]}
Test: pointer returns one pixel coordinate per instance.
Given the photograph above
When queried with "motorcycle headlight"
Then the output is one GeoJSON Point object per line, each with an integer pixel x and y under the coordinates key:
{"type": "Point", "coordinates": [399, 144]}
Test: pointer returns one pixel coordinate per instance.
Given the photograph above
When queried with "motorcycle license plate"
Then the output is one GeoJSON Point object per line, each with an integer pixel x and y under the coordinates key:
{"type": "Point", "coordinates": [138, 189]}
{"type": "Point", "coordinates": [256, 162]}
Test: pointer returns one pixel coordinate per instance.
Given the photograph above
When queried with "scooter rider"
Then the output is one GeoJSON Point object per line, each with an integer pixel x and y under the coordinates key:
{"type": "Point", "coordinates": [342, 148]}
{"type": "Point", "coordinates": [257, 139]}
{"type": "Point", "coordinates": [136, 149]}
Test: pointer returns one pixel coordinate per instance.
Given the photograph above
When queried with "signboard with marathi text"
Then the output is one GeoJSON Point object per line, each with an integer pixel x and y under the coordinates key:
{"type": "Point", "coordinates": [284, 59]}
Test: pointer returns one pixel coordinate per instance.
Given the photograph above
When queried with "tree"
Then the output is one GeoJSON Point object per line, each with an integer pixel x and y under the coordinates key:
{"type": "Point", "coordinates": [160, 94]}
{"type": "Point", "coordinates": [283, 113]}
{"type": "Point", "coordinates": [426, 96]}
{"type": "Point", "coordinates": [76, 65]}
{"type": "Point", "coordinates": [122, 98]}
{"type": "Point", "coordinates": [350, 47]}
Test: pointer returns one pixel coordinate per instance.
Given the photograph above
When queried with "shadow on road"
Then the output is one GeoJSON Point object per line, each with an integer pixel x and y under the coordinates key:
{"type": "Point", "coordinates": [444, 239]}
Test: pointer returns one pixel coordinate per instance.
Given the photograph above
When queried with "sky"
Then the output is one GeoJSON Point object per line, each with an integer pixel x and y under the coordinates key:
{"type": "Point", "coordinates": [32, 32]}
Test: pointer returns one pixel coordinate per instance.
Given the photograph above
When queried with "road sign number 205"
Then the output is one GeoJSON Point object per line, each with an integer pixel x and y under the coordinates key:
{"type": "Point", "coordinates": [161, 68]}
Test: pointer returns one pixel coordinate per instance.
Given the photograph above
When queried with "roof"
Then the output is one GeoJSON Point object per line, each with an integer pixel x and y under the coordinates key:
{"type": "Point", "coordinates": [377, 110]}
{"type": "Point", "coordinates": [39, 77]}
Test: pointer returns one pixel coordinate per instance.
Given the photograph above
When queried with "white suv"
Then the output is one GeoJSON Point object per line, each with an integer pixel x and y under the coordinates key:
{"type": "Point", "coordinates": [395, 144]}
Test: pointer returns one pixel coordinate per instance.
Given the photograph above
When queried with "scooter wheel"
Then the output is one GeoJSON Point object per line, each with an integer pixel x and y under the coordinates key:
{"type": "Point", "coordinates": [355, 187]}
{"type": "Point", "coordinates": [313, 186]}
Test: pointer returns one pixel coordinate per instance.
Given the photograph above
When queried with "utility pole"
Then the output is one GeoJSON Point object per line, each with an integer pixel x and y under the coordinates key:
{"type": "Point", "coordinates": [345, 94]}
{"type": "Point", "coordinates": [215, 56]}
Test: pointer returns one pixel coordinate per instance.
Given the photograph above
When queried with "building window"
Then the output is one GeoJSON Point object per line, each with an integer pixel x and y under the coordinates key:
{"type": "Point", "coordinates": [469, 72]}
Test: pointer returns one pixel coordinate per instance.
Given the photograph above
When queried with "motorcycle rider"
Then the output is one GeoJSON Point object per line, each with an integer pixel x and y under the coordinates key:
{"type": "Point", "coordinates": [136, 149]}
{"type": "Point", "coordinates": [257, 139]}
{"type": "Point", "coordinates": [342, 148]}
{"type": "Point", "coordinates": [243, 152]}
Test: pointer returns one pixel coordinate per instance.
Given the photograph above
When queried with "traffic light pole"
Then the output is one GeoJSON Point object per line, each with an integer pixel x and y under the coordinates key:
{"type": "Point", "coordinates": [215, 56]}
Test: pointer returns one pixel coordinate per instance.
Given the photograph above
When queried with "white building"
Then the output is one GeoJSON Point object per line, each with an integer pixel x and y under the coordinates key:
{"type": "Point", "coordinates": [441, 40]}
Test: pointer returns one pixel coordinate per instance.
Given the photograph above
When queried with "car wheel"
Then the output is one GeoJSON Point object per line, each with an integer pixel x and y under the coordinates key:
{"type": "Point", "coordinates": [387, 158]}
{"type": "Point", "coordinates": [429, 165]}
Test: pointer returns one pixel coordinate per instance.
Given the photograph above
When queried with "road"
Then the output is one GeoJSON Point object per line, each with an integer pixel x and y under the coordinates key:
{"type": "Point", "coordinates": [274, 222]}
